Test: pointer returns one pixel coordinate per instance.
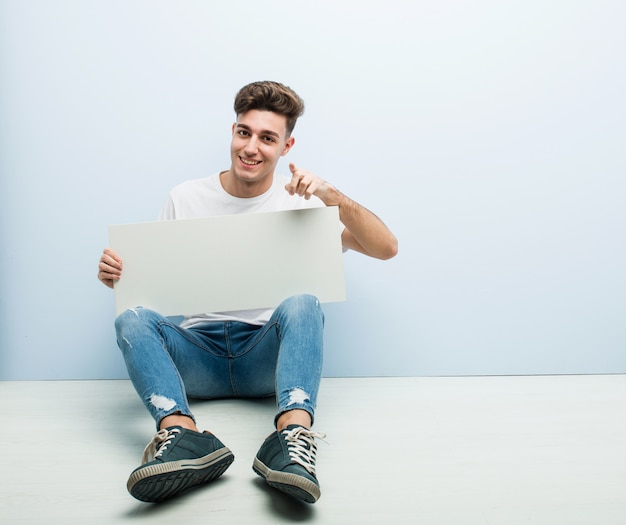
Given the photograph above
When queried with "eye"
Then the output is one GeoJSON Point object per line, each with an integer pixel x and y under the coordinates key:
{"type": "Point", "coordinates": [267, 138]}
{"type": "Point", "coordinates": [243, 132]}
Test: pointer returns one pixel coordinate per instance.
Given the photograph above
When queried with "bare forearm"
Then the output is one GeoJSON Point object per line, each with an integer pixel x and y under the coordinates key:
{"type": "Point", "coordinates": [366, 233]}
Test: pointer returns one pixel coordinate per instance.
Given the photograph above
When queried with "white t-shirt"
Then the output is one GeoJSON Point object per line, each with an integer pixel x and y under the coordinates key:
{"type": "Point", "coordinates": [200, 198]}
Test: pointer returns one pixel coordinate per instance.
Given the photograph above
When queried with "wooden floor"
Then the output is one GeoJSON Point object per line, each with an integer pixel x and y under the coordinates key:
{"type": "Point", "coordinates": [432, 451]}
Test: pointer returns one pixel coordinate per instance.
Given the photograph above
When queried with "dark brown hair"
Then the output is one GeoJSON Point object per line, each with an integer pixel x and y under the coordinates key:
{"type": "Point", "coordinates": [270, 96]}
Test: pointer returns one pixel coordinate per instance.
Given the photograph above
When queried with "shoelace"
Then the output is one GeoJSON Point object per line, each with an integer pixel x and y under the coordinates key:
{"type": "Point", "coordinates": [302, 447]}
{"type": "Point", "coordinates": [159, 444]}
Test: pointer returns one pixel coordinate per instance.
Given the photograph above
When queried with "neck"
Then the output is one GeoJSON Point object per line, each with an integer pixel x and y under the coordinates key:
{"type": "Point", "coordinates": [244, 189]}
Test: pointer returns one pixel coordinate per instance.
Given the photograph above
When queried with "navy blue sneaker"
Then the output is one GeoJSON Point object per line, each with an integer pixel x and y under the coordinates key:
{"type": "Point", "coordinates": [286, 461]}
{"type": "Point", "coordinates": [175, 460]}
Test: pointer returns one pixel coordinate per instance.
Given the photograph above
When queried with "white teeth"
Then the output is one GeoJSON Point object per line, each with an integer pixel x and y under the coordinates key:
{"type": "Point", "coordinates": [250, 162]}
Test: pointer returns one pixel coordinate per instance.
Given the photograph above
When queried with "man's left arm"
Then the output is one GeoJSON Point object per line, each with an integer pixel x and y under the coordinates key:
{"type": "Point", "coordinates": [364, 233]}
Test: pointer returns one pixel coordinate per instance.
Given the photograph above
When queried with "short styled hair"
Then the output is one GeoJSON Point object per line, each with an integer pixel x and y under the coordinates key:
{"type": "Point", "coordinates": [270, 96]}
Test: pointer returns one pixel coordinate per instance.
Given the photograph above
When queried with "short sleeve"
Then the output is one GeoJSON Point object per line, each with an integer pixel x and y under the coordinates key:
{"type": "Point", "coordinates": [168, 212]}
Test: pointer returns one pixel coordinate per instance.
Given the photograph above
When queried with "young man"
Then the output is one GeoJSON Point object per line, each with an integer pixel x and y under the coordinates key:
{"type": "Point", "coordinates": [250, 353]}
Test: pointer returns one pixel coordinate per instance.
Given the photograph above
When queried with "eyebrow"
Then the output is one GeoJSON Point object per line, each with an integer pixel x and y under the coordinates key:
{"type": "Point", "coordinates": [263, 132]}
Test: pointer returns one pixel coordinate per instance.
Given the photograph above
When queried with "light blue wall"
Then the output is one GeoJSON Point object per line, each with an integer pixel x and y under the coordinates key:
{"type": "Point", "coordinates": [488, 135]}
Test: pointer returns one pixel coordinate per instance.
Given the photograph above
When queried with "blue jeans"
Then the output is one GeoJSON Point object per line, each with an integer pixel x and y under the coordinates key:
{"type": "Point", "coordinates": [167, 363]}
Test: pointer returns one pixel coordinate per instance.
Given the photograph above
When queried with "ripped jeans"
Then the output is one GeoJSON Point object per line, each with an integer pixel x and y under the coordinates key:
{"type": "Point", "coordinates": [167, 363]}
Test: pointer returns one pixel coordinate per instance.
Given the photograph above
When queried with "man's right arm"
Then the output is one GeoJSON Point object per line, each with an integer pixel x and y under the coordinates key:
{"type": "Point", "coordinates": [110, 267]}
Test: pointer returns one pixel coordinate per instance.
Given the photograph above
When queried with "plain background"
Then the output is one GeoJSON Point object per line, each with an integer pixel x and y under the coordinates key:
{"type": "Point", "coordinates": [488, 135]}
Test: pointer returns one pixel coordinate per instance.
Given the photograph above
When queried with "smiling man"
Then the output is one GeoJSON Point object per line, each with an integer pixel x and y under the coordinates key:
{"type": "Point", "coordinates": [249, 353]}
{"type": "Point", "coordinates": [260, 138]}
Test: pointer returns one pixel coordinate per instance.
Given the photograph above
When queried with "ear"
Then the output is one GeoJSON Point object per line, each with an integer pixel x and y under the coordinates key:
{"type": "Point", "coordinates": [288, 145]}
{"type": "Point", "coordinates": [232, 131]}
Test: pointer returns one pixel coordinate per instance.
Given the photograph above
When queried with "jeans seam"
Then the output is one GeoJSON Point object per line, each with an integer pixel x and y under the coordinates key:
{"type": "Point", "coordinates": [258, 336]}
{"type": "Point", "coordinates": [227, 342]}
{"type": "Point", "coordinates": [193, 341]}
{"type": "Point", "coordinates": [183, 409]}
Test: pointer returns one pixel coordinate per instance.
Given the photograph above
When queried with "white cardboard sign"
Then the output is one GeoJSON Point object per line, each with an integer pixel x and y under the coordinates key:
{"type": "Point", "coordinates": [229, 262]}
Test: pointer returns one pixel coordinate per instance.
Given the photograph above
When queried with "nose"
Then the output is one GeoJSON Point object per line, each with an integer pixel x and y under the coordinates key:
{"type": "Point", "coordinates": [252, 146]}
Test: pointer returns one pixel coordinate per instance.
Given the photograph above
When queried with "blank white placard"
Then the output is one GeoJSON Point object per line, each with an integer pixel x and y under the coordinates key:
{"type": "Point", "coordinates": [230, 262]}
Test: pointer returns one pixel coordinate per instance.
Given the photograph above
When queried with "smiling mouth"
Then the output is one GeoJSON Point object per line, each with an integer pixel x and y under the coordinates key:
{"type": "Point", "coordinates": [249, 162]}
